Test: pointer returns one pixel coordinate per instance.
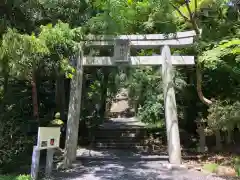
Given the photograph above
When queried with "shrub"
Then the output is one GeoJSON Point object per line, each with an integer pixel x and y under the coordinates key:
{"type": "Point", "coordinates": [12, 177]}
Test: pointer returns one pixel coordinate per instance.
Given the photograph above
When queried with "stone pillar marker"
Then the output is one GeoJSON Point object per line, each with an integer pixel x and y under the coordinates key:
{"type": "Point", "coordinates": [35, 163]}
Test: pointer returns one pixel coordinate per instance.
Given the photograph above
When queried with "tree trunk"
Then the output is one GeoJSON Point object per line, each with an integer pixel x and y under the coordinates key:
{"type": "Point", "coordinates": [74, 113]}
{"type": "Point", "coordinates": [5, 89]}
{"type": "Point", "coordinates": [229, 136]}
{"type": "Point", "coordinates": [174, 148]}
{"type": "Point", "coordinates": [218, 140]}
{"type": "Point", "coordinates": [34, 95]}
{"type": "Point", "coordinates": [199, 88]}
{"type": "Point", "coordinates": [60, 95]}
{"type": "Point", "coordinates": [5, 83]}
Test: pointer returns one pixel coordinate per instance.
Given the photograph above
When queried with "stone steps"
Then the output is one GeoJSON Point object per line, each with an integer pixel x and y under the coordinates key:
{"type": "Point", "coordinates": [119, 138]}
{"type": "Point", "coordinates": [120, 133]}
{"type": "Point", "coordinates": [118, 145]}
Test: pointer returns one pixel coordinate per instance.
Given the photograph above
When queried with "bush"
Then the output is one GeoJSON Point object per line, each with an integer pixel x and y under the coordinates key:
{"type": "Point", "coordinates": [14, 144]}
{"type": "Point", "coordinates": [12, 177]}
{"type": "Point", "coordinates": [236, 164]}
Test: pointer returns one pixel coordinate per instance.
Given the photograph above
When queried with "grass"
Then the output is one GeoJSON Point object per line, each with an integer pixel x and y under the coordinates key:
{"type": "Point", "coordinates": [236, 164]}
{"type": "Point", "coordinates": [17, 177]}
{"type": "Point", "coordinates": [233, 162]}
{"type": "Point", "coordinates": [211, 167]}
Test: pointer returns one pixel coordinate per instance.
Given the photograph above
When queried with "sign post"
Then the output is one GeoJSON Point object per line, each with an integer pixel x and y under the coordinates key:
{"type": "Point", "coordinates": [48, 138]}
{"type": "Point", "coordinates": [35, 163]}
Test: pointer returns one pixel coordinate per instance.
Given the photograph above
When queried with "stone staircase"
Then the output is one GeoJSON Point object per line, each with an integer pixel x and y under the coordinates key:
{"type": "Point", "coordinates": [122, 130]}
{"type": "Point", "coordinates": [120, 133]}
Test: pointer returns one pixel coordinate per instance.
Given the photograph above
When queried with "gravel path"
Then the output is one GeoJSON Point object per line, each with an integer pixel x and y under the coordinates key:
{"type": "Point", "coordinates": [123, 165]}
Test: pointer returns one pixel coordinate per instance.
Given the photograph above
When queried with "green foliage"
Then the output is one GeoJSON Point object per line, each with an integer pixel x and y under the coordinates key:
{"type": "Point", "coordinates": [60, 41]}
{"type": "Point", "coordinates": [74, 12]}
{"type": "Point", "coordinates": [12, 177]}
{"type": "Point", "coordinates": [58, 37]}
{"type": "Point", "coordinates": [224, 115]}
{"type": "Point", "coordinates": [220, 53]}
{"type": "Point", "coordinates": [232, 45]}
{"type": "Point", "coordinates": [14, 124]}
{"type": "Point", "coordinates": [120, 16]}
{"type": "Point", "coordinates": [22, 52]}
{"type": "Point", "coordinates": [235, 162]}
{"type": "Point", "coordinates": [146, 93]}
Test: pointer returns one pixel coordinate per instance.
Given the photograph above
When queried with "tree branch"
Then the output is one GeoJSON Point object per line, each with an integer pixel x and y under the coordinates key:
{"type": "Point", "coordinates": [198, 68]}
{"type": "Point", "coordinates": [196, 6]}
{"type": "Point", "coordinates": [193, 21]}
{"type": "Point", "coordinates": [180, 13]}
{"type": "Point", "coordinates": [199, 87]}
{"type": "Point", "coordinates": [189, 12]}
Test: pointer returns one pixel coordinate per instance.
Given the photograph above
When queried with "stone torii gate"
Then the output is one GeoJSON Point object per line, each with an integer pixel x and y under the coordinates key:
{"type": "Point", "coordinates": [122, 45]}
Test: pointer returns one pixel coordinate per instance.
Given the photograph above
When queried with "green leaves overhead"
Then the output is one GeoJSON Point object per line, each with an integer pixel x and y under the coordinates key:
{"type": "Point", "coordinates": [58, 38]}
{"type": "Point", "coordinates": [60, 41]}
{"type": "Point", "coordinates": [121, 16]}
{"type": "Point", "coordinates": [23, 51]}
{"type": "Point", "coordinates": [221, 53]}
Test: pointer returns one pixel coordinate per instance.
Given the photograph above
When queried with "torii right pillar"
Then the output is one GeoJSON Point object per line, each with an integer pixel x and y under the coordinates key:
{"type": "Point", "coordinates": [173, 137]}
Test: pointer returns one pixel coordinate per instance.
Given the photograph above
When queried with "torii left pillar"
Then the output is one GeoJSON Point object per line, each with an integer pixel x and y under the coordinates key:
{"type": "Point", "coordinates": [173, 137]}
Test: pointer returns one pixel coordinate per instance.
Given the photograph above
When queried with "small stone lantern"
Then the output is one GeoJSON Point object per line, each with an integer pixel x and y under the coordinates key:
{"type": "Point", "coordinates": [201, 132]}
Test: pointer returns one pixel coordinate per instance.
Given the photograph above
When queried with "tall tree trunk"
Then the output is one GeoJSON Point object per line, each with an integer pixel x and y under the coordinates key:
{"type": "Point", "coordinates": [34, 95]}
{"type": "Point", "coordinates": [229, 136]}
{"type": "Point", "coordinates": [74, 113]}
{"type": "Point", "coordinates": [60, 95]}
{"type": "Point", "coordinates": [63, 97]}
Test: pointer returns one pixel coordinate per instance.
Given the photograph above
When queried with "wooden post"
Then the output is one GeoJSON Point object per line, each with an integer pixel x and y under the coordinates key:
{"type": "Point", "coordinates": [74, 112]}
{"type": "Point", "coordinates": [35, 163]}
{"type": "Point", "coordinates": [174, 149]}
{"type": "Point", "coordinates": [49, 162]}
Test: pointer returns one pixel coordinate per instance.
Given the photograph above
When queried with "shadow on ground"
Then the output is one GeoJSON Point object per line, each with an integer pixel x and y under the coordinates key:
{"type": "Point", "coordinates": [126, 165]}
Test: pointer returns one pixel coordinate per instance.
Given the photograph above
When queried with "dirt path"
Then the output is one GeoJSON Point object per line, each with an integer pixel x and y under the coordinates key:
{"type": "Point", "coordinates": [124, 165]}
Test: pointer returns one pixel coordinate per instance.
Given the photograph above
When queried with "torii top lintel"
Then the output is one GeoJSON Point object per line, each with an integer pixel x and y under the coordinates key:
{"type": "Point", "coordinates": [144, 40]}
{"type": "Point", "coordinates": [123, 43]}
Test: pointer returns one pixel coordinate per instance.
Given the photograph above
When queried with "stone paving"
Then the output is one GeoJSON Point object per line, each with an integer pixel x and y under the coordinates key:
{"type": "Point", "coordinates": [123, 165]}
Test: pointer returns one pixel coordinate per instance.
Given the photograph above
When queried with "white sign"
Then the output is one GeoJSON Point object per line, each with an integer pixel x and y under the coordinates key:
{"type": "Point", "coordinates": [48, 137]}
